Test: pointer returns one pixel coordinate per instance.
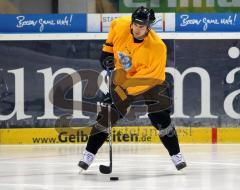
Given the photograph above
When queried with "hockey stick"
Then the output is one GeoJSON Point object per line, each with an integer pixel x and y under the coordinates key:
{"type": "Point", "coordinates": [102, 168]}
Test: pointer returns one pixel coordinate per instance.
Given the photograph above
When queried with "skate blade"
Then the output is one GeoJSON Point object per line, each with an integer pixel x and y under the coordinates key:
{"type": "Point", "coordinates": [81, 171]}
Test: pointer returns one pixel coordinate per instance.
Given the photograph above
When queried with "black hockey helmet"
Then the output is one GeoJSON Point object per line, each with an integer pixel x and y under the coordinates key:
{"type": "Point", "coordinates": [143, 16]}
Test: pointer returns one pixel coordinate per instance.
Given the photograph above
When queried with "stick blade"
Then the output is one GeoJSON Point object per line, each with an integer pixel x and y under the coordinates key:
{"type": "Point", "coordinates": [105, 169]}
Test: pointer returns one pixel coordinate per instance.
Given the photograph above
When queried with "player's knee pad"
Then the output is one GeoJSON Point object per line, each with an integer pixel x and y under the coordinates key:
{"type": "Point", "coordinates": [162, 122]}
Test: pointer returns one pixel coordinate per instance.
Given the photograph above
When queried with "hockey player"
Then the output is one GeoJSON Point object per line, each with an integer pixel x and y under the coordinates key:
{"type": "Point", "coordinates": [137, 57]}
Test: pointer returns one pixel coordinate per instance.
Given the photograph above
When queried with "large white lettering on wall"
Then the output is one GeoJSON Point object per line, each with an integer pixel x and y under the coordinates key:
{"type": "Point", "coordinates": [179, 78]}
{"type": "Point", "coordinates": [228, 103]}
{"type": "Point", "coordinates": [178, 92]}
{"type": "Point", "coordinates": [77, 92]}
{"type": "Point", "coordinates": [19, 97]}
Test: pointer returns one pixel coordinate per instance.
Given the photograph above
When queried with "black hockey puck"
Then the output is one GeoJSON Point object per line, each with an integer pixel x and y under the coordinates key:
{"type": "Point", "coordinates": [114, 178]}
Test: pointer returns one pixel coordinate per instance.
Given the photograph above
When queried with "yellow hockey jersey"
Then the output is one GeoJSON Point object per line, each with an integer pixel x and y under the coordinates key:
{"type": "Point", "coordinates": [148, 57]}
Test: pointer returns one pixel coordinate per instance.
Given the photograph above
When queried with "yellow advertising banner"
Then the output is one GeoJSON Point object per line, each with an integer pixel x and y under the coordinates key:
{"type": "Point", "coordinates": [126, 134]}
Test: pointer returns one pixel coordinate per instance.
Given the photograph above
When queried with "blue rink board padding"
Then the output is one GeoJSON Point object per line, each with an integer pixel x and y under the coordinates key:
{"type": "Point", "coordinates": [43, 23]}
{"type": "Point", "coordinates": [77, 23]}
{"type": "Point", "coordinates": [222, 22]}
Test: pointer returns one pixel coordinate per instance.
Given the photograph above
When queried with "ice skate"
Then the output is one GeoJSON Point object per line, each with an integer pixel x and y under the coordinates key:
{"type": "Point", "coordinates": [86, 161]}
{"type": "Point", "coordinates": [179, 161]}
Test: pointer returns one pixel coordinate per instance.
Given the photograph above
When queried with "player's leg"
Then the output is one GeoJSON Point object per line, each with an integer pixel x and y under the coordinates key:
{"type": "Point", "coordinates": [99, 132]}
{"type": "Point", "coordinates": [168, 135]}
{"type": "Point", "coordinates": [159, 109]}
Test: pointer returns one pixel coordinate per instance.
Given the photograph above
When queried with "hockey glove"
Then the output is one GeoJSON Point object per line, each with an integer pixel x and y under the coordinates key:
{"type": "Point", "coordinates": [107, 61]}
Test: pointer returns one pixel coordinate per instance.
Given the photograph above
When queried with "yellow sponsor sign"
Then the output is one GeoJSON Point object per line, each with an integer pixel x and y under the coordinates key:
{"type": "Point", "coordinates": [126, 134]}
{"type": "Point", "coordinates": [228, 135]}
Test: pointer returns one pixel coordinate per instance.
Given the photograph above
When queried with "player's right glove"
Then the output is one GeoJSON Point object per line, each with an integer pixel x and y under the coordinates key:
{"type": "Point", "coordinates": [107, 60]}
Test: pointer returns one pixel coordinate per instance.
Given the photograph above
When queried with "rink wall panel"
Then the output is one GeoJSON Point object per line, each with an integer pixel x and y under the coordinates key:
{"type": "Point", "coordinates": [121, 134]}
{"type": "Point", "coordinates": [76, 23]}
{"type": "Point", "coordinates": [203, 84]}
